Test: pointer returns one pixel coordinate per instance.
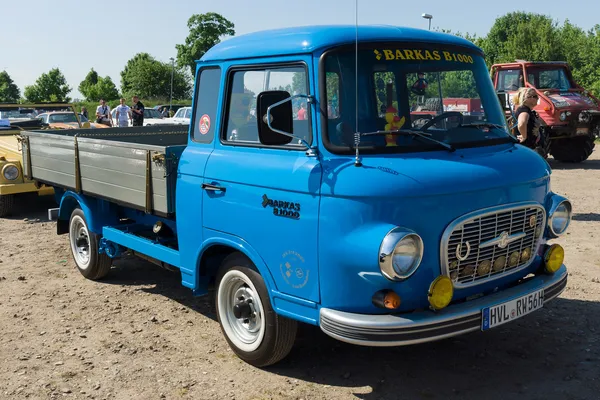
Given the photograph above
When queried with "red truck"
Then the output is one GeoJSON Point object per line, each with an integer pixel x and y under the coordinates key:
{"type": "Point", "coordinates": [570, 114]}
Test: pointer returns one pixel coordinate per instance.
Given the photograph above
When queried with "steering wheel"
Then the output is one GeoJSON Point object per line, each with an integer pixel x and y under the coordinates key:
{"type": "Point", "coordinates": [442, 116]}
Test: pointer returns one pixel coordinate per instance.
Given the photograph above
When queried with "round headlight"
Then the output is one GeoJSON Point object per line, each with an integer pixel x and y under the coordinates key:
{"type": "Point", "coordinates": [10, 172]}
{"type": "Point", "coordinates": [563, 116]}
{"type": "Point", "coordinates": [584, 117]}
{"type": "Point", "coordinates": [400, 254]}
{"type": "Point", "coordinates": [561, 218]}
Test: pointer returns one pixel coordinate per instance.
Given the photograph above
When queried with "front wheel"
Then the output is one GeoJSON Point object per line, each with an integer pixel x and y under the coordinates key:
{"type": "Point", "coordinates": [7, 203]}
{"type": "Point", "coordinates": [251, 327]}
{"type": "Point", "coordinates": [572, 150]}
{"type": "Point", "coordinates": [84, 247]}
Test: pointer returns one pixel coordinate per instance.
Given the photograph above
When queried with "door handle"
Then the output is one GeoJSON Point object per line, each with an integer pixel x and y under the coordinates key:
{"type": "Point", "coordinates": [212, 188]}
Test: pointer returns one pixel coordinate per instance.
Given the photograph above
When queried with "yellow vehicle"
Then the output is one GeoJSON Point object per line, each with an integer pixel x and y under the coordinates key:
{"type": "Point", "coordinates": [14, 118]}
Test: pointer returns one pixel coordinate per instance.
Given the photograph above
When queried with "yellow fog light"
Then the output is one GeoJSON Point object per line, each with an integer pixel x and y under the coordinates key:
{"type": "Point", "coordinates": [440, 292]}
{"type": "Point", "coordinates": [554, 258]}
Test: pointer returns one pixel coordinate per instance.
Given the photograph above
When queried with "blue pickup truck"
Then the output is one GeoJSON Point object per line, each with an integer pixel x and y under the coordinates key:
{"type": "Point", "coordinates": [329, 176]}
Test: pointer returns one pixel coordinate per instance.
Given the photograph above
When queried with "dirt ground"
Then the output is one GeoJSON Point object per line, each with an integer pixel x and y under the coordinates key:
{"type": "Point", "coordinates": [141, 335]}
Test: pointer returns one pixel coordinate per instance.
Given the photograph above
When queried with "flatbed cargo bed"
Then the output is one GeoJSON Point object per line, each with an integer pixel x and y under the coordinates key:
{"type": "Point", "coordinates": [133, 166]}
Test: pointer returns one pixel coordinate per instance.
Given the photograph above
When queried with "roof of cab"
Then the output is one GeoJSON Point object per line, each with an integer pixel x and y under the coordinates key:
{"type": "Point", "coordinates": [306, 39]}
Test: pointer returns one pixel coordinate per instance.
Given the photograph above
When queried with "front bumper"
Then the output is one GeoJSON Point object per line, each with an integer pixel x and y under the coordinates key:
{"type": "Point", "coordinates": [28, 187]}
{"type": "Point", "coordinates": [427, 326]}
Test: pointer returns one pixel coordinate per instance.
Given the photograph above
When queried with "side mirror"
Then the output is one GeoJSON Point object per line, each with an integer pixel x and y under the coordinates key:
{"type": "Point", "coordinates": [275, 120]}
{"type": "Point", "coordinates": [503, 98]}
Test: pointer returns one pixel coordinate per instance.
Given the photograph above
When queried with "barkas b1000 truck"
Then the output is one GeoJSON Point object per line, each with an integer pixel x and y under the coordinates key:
{"type": "Point", "coordinates": [294, 199]}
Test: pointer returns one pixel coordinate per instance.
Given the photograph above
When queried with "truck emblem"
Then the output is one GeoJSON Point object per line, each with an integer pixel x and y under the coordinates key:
{"type": "Point", "coordinates": [503, 240]}
{"type": "Point", "coordinates": [282, 208]}
{"type": "Point", "coordinates": [459, 248]}
{"type": "Point", "coordinates": [532, 221]}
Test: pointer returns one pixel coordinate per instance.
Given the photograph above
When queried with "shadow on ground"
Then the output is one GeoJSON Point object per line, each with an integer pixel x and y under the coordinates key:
{"type": "Point", "coordinates": [552, 353]}
{"type": "Point", "coordinates": [32, 207]}
{"type": "Point", "coordinates": [588, 217]}
{"type": "Point", "coordinates": [587, 164]}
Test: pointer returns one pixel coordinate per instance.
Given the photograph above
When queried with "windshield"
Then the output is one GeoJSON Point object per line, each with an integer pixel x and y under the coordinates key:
{"type": "Point", "coordinates": [549, 78]}
{"type": "Point", "coordinates": [17, 114]}
{"type": "Point", "coordinates": [62, 118]}
{"type": "Point", "coordinates": [437, 90]}
{"type": "Point", "coordinates": [151, 113]}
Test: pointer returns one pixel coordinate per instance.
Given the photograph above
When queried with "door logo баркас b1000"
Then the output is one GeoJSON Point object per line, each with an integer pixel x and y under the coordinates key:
{"type": "Point", "coordinates": [282, 208]}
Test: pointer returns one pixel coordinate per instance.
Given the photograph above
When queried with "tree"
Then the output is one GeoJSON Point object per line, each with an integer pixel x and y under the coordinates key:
{"type": "Point", "coordinates": [86, 85]}
{"type": "Point", "coordinates": [94, 88]}
{"type": "Point", "coordinates": [151, 79]}
{"type": "Point", "coordinates": [206, 31]}
{"type": "Point", "coordinates": [51, 86]}
{"type": "Point", "coordinates": [9, 92]}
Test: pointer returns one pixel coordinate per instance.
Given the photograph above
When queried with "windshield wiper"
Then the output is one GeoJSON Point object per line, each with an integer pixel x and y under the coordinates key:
{"type": "Point", "coordinates": [421, 135]}
{"type": "Point", "coordinates": [482, 125]}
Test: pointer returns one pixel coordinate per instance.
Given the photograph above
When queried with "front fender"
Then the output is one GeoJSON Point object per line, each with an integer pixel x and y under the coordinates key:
{"type": "Point", "coordinates": [215, 238]}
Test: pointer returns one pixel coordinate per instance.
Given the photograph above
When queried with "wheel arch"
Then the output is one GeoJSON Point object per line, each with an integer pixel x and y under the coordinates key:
{"type": "Point", "coordinates": [96, 216]}
{"type": "Point", "coordinates": [214, 251]}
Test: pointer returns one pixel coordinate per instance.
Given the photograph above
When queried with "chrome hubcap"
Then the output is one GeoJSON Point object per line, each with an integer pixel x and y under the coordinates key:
{"type": "Point", "coordinates": [80, 242]}
{"type": "Point", "coordinates": [240, 311]}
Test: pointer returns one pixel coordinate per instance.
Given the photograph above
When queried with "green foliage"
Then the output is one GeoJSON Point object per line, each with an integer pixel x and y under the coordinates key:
{"type": "Point", "coordinates": [206, 31]}
{"type": "Point", "coordinates": [9, 92]}
{"type": "Point", "coordinates": [95, 88]}
{"type": "Point", "coordinates": [537, 37]}
{"type": "Point", "coordinates": [51, 86]}
{"type": "Point", "coordinates": [150, 79]}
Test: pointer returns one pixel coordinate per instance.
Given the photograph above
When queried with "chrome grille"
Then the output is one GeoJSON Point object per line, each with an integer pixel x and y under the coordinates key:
{"type": "Point", "coordinates": [490, 243]}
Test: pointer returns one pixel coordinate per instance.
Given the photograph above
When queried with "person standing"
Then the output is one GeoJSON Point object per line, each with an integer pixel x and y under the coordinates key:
{"type": "Point", "coordinates": [103, 114]}
{"type": "Point", "coordinates": [528, 121]}
{"type": "Point", "coordinates": [123, 114]}
{"type": "Point", "coordinates": [137, 112]}
{"type": "Point", "coordinates": [84, 112]}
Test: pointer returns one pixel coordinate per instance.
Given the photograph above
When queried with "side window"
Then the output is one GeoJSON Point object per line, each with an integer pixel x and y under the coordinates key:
{"type": "Point", "coordinates": [207, 100]}
{"type": "Point", "coordinates": [510, 80]}
{"type": "Point", "coordinates": [332, 83]}
{"type": "Point", "coordinates": [246, 85]}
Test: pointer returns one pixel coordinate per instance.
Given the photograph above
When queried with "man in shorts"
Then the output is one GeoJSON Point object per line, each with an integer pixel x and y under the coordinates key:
{"type": "Point", "coordinates": [123, 114]}
{"type": "Point", "coordinates": [137, 112]}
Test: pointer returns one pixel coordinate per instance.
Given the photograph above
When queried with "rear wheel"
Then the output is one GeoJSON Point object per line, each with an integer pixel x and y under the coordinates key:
{"type": "Point", "coordinates": [84, 247]}
{"type": "Point", "coordinates": [572, 150]}
{"type": "Point", "coordinates": [7, 203]}
{"type": "Point", "coordinates": [251, 327]}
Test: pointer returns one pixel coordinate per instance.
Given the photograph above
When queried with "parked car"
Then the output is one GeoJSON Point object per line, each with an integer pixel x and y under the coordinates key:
{"type": "Point", "coordinates": [67, 120]}
{"type": "Point", "coordinates": [151, 117]}
{"type": "Point", "coordinates": [174, 107]}
{"type": "Point", "coordinates": [15, 185]}
{"type": "Point", "coordinates": [182, 116]}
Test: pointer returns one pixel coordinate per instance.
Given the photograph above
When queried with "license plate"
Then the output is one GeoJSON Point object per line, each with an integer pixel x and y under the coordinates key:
{"type": "Point", "coordinates": [506, 312]}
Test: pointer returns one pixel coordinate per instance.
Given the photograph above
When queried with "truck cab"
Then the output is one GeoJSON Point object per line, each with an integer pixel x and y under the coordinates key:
{"type": "Point", "coordinates": [570, 114]}
{"type": "Point", "coordinates": [313, 188]}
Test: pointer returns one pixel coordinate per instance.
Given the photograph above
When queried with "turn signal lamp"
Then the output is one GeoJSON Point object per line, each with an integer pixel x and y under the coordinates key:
{"type": "Point", "coordinates": [387, 299]}
{"type": "Point", "coordinates": [554, 257]}
{"type": "Point", "coordinates": [440, 292]}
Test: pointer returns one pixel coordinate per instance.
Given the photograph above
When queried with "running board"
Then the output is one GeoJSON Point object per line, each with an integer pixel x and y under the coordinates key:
{"type": "Point", "coordinates": [142, 245]}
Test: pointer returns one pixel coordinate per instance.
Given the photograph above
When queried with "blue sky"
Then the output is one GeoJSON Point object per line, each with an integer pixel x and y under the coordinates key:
{"type": "Point", "coordinates": [77, 35]}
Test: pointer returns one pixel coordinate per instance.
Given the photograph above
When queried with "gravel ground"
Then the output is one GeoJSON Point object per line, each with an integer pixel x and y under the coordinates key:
{"type": "Point", "coordinates": [141, 335]}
